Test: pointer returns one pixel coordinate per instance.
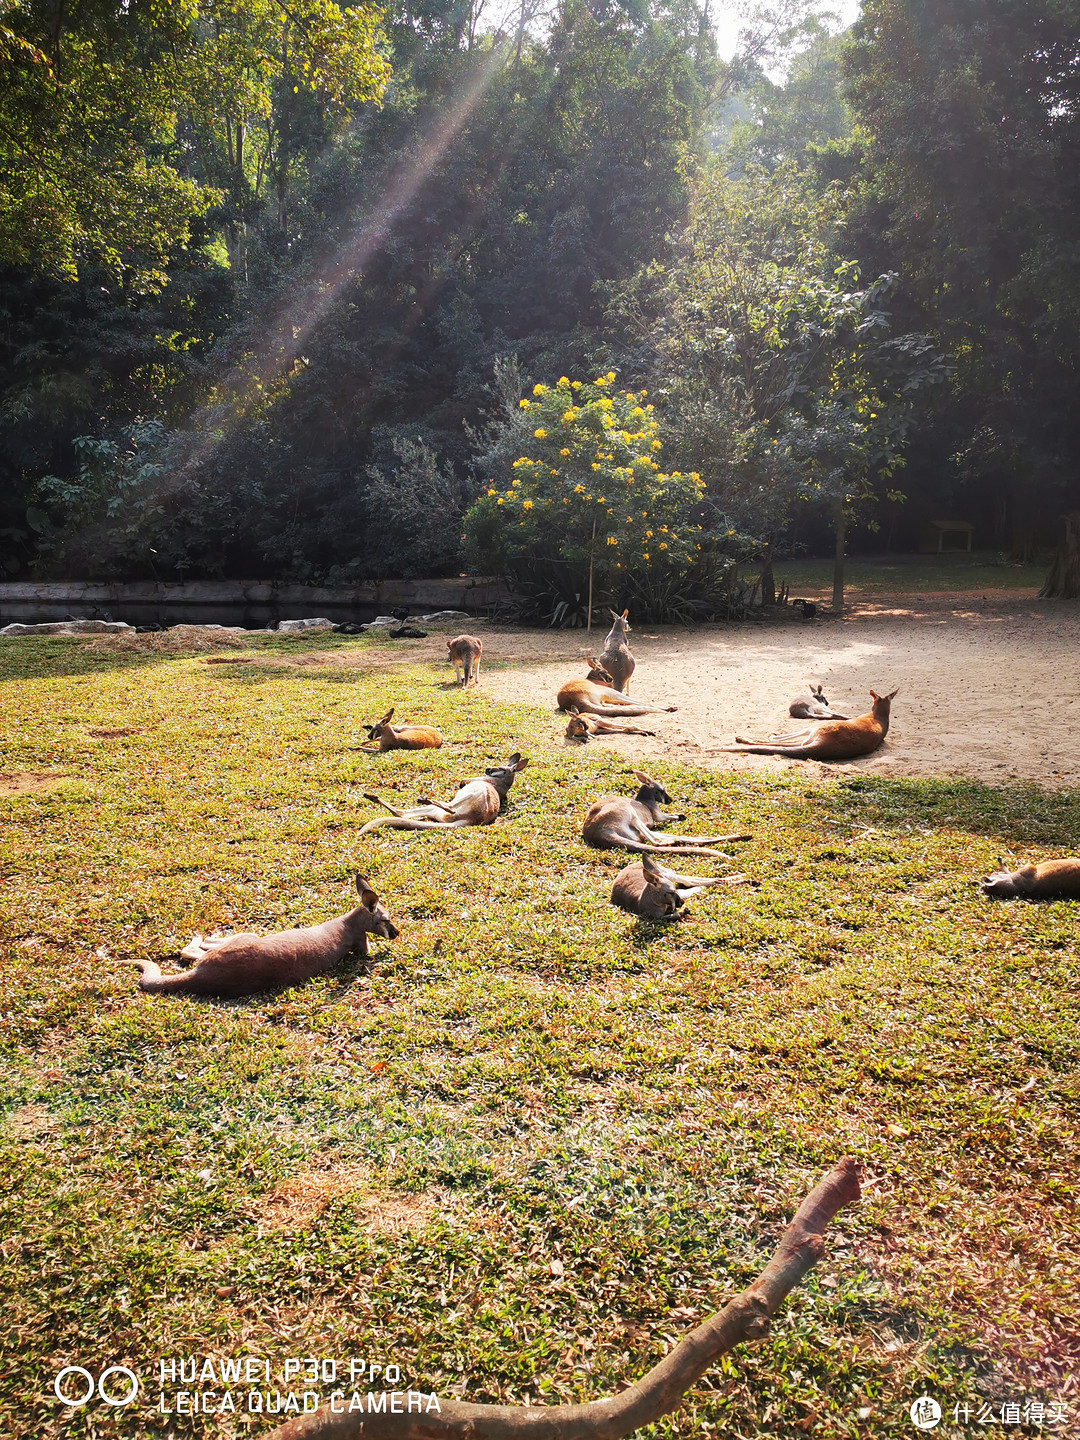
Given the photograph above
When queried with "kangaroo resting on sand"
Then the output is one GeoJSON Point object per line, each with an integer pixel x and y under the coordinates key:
{"type": "Point", "coordinates": [241, 964]}
{"type": "Point", "coordinates": [615, 657]}
{"type": "Point", "coordinates": [826, 740]}
{"type": "Point", "coordinates": [476, 802]}
{"type": "Point", "coordinates": [1049, 880]}
{"type": "Point", "coordinates": [594, 696]}
{"type": "Point", "coordinates": [813, 707]}
{"type": "Point", "coordinates": [465, 652]}
{"type": "Point", "coordinates": [654, 892]}
{"type": "Point", "coordinates": [617, 822]}
{"type": "Point", "coordinates": [583, 727]}
{"type": "Point", "coordinates": [402, 737]}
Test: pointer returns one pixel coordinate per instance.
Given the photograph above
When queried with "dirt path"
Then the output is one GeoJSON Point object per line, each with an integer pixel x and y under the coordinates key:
{"type": "Point", "coordinates": [989, 684]}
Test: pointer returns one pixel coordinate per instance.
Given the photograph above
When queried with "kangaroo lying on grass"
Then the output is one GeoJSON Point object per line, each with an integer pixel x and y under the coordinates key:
{"type": "Point", "coordinates": [241, 964]}
{"type": "Point", "coordinates": [826, 740]}
{"type": "Point", "coordinates": [813, 707]}
{"type": "Point", "coordinates": [615, 657]}
{"type": "Point", "coordinates": [404, 737]}
{"type": "Point", "coordinates": [476, 802]}
{"type": "Point", "coordinates": [465, 652]}
{"type": "Point", "coordinates": [617, 822]}
{"type": "Point", "coordinates": [1049, 880]}
{"type": "Point", "coordinates": [583, 727]}
{"type": "Point", "coordinates": [652, 891]}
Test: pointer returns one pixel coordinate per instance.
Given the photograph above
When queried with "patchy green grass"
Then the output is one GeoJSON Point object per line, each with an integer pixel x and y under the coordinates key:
{"type": "Point", "coordinates": [870, 575]}
{"type": "Point", "coordinates": [539, 1140]}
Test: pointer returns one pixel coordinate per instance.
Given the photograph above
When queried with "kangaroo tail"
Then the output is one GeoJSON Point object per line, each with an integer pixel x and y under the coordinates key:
{"type": "Point", "coordinates": [403, 822]}
{"type": "Point", "coordinates": [621, 712]}
{"type": "Point", "coordinates": [793, 752]}
{"type": "Point", "coordinates": [153, 982]}
{"type": "Point", "coordinates": [640, 846]}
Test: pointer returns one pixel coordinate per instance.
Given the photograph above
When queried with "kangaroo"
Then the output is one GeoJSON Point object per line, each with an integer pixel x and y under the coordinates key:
{"type": "Point", "coordinates": [1049, 880]}
{"type": "Point", "coordinates": [404, 737]}
{"type": "Point", "coordinates": [476, 802]}
{"type": "Point", "coordinates": [465, 652]}
{"type": "Point", "coordinates": [813, 707]}
{"type": "Point", "coordinates": [652, 891]}
{"type": "Point", "coordinates": [583, 727]}
{"type": "Point", "coordinates": [615, 656]}
{"type": "Point", "coordinates": [595, 695]}
{"type": "Point", "coordinates": [242, 964]}
{"type": "Point", "coordinates": [827, 739]}
{"type": "Point", "coordinates": [616, 822]}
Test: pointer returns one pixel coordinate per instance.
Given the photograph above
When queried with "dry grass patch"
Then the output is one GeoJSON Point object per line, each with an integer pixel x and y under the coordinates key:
{"type": "Point", "coordinates": [28, 1122]}
{"type": "Point", "coordinates": [299, 1201]}
{"type": "Point", "coordinates": [30, 782]}
{"type": "Point", "coordinates": [112, 733]}
{"type": "Point", "coordinates": [180, 640]}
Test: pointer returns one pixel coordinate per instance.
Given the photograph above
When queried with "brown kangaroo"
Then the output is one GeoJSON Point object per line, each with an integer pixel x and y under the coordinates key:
{"type": "Point", "coordinates": [615, 657]}
{"type": "Point", "coordinates": [583, 727]}
{"type": "Point", "coordinates": [465, 652]}
{"type": "Point", "coordinates": [242, 964]}
{"type": "Point", "coordinates": [654, 892]}
{"type": "Point", "coordinates": [1049, 880]}
{"type": "Point", "coordinates": [827, 739]}
{"type": "Point", "coordinates": [616, 822]}
{"type": "Point", "coordinates": [595, 696]}
{"type": "Point", "coordinates": [403, 737]}
{"type": "Point", "coordinates": [476, 802]}
{"type": "Point", "coordinates": [813, 707]}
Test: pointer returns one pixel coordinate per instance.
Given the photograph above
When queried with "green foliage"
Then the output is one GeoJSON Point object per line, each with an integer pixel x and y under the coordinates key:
{"type": "Point", "coordinates": [586, 510]}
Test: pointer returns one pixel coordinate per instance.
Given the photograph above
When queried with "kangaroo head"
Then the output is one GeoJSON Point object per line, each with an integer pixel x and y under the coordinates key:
{"type": "Point", "coordinates": [373, 915]}
{"type": "Point", "coordinates": [597, 672]}
{"type": "Point", "coordinates": [883, 702]}
{"type": "Point", "coordinates": [651, 792]}
{"type": "Point", "coordinates": [621, 623]}
{"type": "Point", "coordinates": [663, 889]}
{"type": "Point", "coordinates": [374, 731]}
{"type": "Point", "coordinates": [502, 776]}
{"type": "Point", "coordinates": [576, 727]}
{"type": "Point", "coordinates": [818, 693]}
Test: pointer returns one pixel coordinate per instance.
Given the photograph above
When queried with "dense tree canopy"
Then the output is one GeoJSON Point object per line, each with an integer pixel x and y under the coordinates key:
{"type": "Point", "coordinates": [272, 273]}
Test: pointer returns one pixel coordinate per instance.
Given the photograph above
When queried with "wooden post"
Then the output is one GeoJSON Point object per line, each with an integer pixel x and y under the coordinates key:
{"type": "Point", "coordinates": [592, 556]}
{"type": "Point", "coordinates": [838, 563]}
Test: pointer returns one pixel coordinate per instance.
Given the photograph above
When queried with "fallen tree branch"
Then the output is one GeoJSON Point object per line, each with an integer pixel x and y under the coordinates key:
{"type": "Point", "coordinates": [655, 1394]}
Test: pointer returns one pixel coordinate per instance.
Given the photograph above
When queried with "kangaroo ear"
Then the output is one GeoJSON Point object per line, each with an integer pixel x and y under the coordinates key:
{"type": "Point", "coordinates": [893, 694]}
{"type": "Point", "coordinates": [651, 869]}
{"type": "Point", "coordinates": [520, 765]}
{"type": "Point", "coordinates": [574, 710]}
{"type": "Point", "coordinates": [450, 646]}
{"type": "Point", "coordinates": [625, 613]}
{"type": "Point", "coordinates": [613, 613]}
{"type": "Point", "coordinates": [368, 897]}
{"type": "Point", "coordinates": [642, 778]}
{"type": "Point", "coordinates": [874, 695]}
{"type": "Point", "coordinates": [388, 716]}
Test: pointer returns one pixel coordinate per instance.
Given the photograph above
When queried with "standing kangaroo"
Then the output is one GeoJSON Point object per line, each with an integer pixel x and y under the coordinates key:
{"type": "Point", "coordinates": [615, 657]}
{"type": "Point", "coordinates": [583, 727]}
{"type": "Point", "coordinates": [1048, 880]}
{"type": "Point", "coordinates": [617, 822]}
{"type": "Point", "coordinates": [654, 892]}
{"type": "Point", "coordinates": [402, 737]}
{"type": "Point", "coordinates": [828, 739]}
{"type": "Point", "coordinates": [242, 964]}
{"type": "Point", "coordinates": [465, 652]}
{"type": "Point", "coordinates": [476, 802]}
{"type": "Point", "coordinates": [813, 707]}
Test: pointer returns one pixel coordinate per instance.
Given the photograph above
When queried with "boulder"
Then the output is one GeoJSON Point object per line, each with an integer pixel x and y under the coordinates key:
{"type": "Point", "coordinates": [445, 615]}
{"type": "Point", "coordinates": [69, 627]}
{"type": "Point", "coordinates": [286, 626]}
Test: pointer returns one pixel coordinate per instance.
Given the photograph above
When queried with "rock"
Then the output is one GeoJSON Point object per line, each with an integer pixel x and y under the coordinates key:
{"type": "Point", "coordinates": [69, 627]}
{"type": "Point", "coordinates": [383, 620]}
{"type": "Point", "coordinates": [349, 628]}
{"type": "Point", "coordinates": [444, 615]}
{"type": "Point", "coordinates": [285, 626]}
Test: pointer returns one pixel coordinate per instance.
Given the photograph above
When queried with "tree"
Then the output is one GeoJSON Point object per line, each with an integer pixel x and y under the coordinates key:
{"type": "Point", "coordinates": [586, 511]}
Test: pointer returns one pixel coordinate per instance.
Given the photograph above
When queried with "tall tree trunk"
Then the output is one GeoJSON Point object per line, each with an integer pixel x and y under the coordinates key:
{"type": "Point", "coordinates": [838, 563]}
{"type": "Point", "coordinates": [1063, 580]}
{"type": "Point", "coordinates": [768, 579]}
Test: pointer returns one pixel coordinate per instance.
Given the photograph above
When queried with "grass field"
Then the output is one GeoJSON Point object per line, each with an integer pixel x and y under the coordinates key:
{"type": "Point", "coordinates": [539, 1140]}
{"type": "Point", "coordinates": [912, 574]}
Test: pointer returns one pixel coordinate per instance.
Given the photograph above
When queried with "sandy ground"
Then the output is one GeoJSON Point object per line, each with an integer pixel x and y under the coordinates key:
{"type": "Point", "coordinates": [989, 684]}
